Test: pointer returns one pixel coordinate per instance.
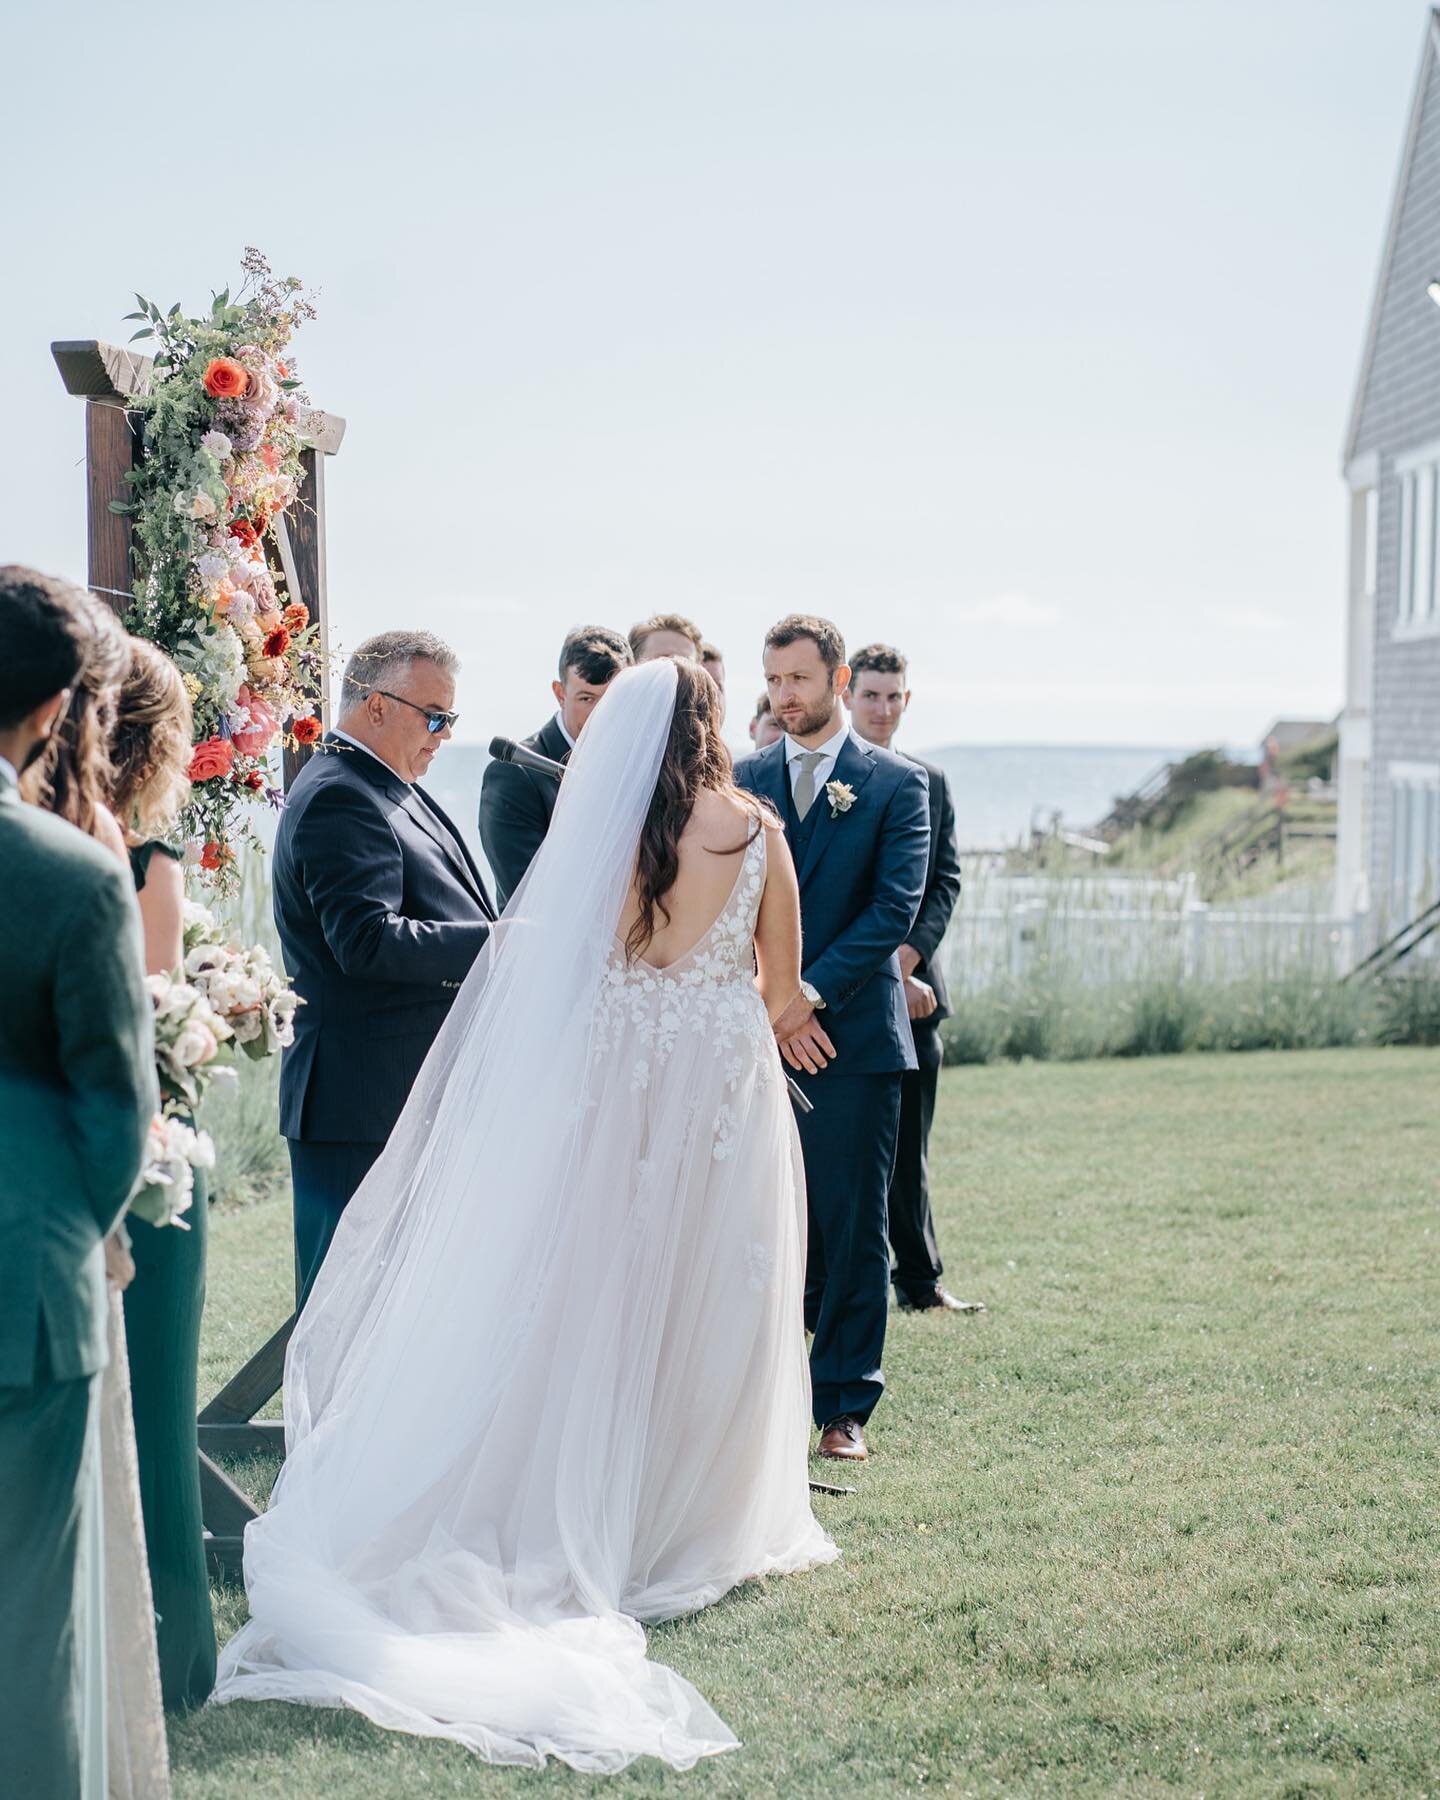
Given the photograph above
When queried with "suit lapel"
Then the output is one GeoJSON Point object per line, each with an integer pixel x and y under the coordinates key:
{"type": "Point", "coordinates": [428, 815]}
{"type": "Point", "coordinates": [550, 741]}
{"type": "Point", "coordinates": [417, 805]}
{"type": "Point", "coordinates": [854, 766]}
{"type": "Point", "coordinates": [772, 784]}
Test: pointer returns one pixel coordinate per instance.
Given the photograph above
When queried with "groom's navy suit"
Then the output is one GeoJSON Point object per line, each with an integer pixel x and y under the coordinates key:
{"type": "Point", "coordinates": [861, 874]}
{"type": "Point", "coordinates": [381, 911]}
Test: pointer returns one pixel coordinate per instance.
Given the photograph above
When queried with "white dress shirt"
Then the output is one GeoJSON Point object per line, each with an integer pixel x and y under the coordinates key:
{"type": "Point", "coordinates": [335, 731]}
{"type": "Point", "coordinates": [560, 721]}
{"type": "Point", "coordinates": [829, 751]}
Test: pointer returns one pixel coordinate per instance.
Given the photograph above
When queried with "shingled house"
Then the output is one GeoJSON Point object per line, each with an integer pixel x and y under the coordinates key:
{"type": "Point", "coordinates": [1389, 762]}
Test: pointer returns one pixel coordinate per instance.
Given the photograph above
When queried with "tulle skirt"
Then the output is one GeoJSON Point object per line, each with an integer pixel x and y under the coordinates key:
{"type": "Point", "coordinates": [582, 1406]}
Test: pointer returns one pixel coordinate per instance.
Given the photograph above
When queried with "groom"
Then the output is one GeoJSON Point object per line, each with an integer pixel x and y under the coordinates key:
{"type": "Point", "coordinates": [857, 822]}
{"type": "Point", "coordinates": [381, 911]}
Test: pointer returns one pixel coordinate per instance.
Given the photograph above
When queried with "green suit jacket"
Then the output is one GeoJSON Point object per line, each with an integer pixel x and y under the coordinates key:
{"type": "Point", "coordinates": [77, 1084]}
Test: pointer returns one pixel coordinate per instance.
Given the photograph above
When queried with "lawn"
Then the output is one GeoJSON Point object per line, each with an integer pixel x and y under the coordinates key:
{"type": "Point", "coordinates": [1165, 1521]}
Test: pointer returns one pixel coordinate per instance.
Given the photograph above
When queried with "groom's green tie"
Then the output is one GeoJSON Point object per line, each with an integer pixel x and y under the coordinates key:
{"type": "Point", "coordinates": [809, 761]}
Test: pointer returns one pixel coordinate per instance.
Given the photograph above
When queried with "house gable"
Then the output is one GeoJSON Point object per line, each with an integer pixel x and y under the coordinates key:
{"type": "Point", "coordinates": [1401, 357]}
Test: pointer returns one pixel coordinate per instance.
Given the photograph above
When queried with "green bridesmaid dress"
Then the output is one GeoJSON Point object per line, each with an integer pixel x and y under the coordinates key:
{"type": "Point", "coordinates": [163, 1305]}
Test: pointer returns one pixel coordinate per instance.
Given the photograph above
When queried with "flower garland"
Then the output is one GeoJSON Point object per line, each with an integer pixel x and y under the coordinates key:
{"type": "Point", "coordinates": [223, 430]}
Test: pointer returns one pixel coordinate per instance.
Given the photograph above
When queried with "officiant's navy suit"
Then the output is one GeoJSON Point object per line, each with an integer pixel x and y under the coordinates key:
{"type": "Point", "coordinates": [862, 873]}
{"type": "Point", "coordinates": [381, 911]}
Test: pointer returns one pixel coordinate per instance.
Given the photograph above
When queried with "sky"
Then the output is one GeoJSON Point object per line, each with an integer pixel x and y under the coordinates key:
{"type": "Point", "coordinates": [1021, 334]}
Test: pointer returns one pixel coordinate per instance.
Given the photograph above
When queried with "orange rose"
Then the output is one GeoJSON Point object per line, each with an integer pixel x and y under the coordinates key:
{"type": "Point", "coordinates": [296, 616]}
{"type": "Point", "coordinates": [305, 731]}
{"type": "Point", "coordinates": [225, 379]}
{"type": "Point", "coordinates": [278, 642]}
{"type": "Point", "coordinates": [210, 759]}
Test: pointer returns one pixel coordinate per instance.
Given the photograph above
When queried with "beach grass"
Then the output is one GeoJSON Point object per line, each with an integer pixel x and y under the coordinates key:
{"type": "Point", "coordinates": [1164, 1521]}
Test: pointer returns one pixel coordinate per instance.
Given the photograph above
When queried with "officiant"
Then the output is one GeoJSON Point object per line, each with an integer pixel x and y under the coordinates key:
{"type": "Point", "coordinates": [381, 912]}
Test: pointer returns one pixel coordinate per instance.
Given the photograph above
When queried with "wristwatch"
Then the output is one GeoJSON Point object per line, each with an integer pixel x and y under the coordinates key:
{"type": "Point", "coordinates": [812, 994]}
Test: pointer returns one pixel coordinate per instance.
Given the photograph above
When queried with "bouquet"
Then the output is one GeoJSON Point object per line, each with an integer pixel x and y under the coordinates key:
{"type": "Point", "coordinates": [223, 996]}
{"type": "Point", "coordinates": [173, 1152]}
{"type": "Point", "coordinates": [241, 987]}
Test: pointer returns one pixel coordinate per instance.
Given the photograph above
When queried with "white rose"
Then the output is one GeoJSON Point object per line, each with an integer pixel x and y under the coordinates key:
{"type": "Point", "coordinates": [247, 991]}
{"type": "Point", "coordinates": [195, 1046]}
{"type": "Point", "coordinates": [201, 505]}
{"type": "Point", "coordinates": [201, 1152]}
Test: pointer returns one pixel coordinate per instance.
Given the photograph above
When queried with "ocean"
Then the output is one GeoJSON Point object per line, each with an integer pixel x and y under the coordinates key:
{"type": "Point", "coordinates": [999, 789]}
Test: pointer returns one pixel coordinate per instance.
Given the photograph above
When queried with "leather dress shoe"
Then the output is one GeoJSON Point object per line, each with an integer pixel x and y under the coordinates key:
{"type": "Point", "coordinates": [841, 1440]}
{"type": "Point", "coordinates": [938, 1300]}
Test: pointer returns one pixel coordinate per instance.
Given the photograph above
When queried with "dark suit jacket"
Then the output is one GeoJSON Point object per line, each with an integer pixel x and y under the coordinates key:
{"type": "Point", "coordinates": [942, 889]}
{"type": "Point", "coordinates": [861, 877]}
{"type": "Point", "coordinates": [515, 809]}
{"type": "Point", "coordinates": [77, 1085]}
{"type": "Point", "coordinates": [381, 911]}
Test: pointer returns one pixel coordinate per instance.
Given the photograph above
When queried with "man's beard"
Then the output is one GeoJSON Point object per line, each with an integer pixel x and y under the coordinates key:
{"type": "Point", "coordinates": [815, 720]}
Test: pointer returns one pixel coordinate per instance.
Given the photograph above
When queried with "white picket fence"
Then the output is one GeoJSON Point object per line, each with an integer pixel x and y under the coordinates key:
{"type": "Point", "coordinates": [1101, 932]}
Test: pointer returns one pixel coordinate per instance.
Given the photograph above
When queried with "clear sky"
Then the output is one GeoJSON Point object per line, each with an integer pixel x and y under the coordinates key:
{"type": "Point", "coordinates": [1021, 334]}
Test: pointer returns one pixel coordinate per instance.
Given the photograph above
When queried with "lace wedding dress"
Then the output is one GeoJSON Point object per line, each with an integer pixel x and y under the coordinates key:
{"type": "Point", "coordinates": [552, 1379]}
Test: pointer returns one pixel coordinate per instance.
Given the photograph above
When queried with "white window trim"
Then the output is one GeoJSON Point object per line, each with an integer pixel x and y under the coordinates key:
{"type": "Point", "coordinates": [1410, 626]}
{"type": "Point", "coordinates": [1416, 774]}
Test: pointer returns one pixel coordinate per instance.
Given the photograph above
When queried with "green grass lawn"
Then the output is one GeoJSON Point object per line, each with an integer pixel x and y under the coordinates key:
{"type": "Point", "coordinates": [1164, 1521]}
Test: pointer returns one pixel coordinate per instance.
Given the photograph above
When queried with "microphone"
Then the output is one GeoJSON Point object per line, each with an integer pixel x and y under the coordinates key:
{"type": "Point", "coordinates": [507, 750]}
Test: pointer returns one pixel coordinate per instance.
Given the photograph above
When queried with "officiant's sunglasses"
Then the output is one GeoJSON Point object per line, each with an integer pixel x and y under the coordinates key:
{"type": "Point", "coordinates": [434, 721]}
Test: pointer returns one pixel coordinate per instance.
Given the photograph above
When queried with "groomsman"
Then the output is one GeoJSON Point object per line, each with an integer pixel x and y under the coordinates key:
{"type": "Point", "coordinates": [516, 804]}
{"type": "Point", "coordinates": [666, 634]}
{"type": "Point", "coordinates": [857, 824]}
{"type": "Point", "coordinates": [877, 698]}
{"type": "Point", "coordinates": [713, 663]}
{"type": "Point", "coordinates": [764, 729]}
{"type": "Point", "coordinates": [381, 911]}
{"type": "Point", "coordinates": [77, 1094]}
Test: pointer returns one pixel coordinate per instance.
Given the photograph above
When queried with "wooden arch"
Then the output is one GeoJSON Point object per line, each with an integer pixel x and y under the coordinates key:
{"type": "Point", "coordinates": [108, 378]}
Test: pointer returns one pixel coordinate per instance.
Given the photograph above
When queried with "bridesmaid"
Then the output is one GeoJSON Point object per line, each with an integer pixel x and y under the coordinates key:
{"type": "Point", "coordinates": [150, 753]}
{"type": "Point", "coordinates": [125, 1749]}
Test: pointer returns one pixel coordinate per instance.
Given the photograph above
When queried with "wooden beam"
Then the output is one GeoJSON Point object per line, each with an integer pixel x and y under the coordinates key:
{"type": "Point", "coordinates": [113, 375]}
{"type": "Point", "coordinates": [103, 372]}
{"type": "Point", "coordinates": [247, 1391]}
{"type": "Point", "coordinates": [261, 1437]}
{"type": "Point", "coordinates": [111, 447]}
{"type": "Point", "coordinates": [225, 1559]}
{"type": "Point", "coordinates": [303, 525]}
{"type": "Point", "coordinates": [226, 1512]}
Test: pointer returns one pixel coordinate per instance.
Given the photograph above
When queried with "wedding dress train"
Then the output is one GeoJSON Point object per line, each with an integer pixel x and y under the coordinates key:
{"type": "Point", "coordinates": [552, 1379]}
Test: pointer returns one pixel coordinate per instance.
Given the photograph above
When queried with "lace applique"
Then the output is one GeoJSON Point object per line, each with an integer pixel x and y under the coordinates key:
{"type": "Point", "coordinates": [759, 1266]}
{"type": "Point", "coordinates": [709, 992]}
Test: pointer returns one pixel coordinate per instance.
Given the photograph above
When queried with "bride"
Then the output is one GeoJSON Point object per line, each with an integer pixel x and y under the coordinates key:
{"type": "Point", "coordinates": [551, 1380]}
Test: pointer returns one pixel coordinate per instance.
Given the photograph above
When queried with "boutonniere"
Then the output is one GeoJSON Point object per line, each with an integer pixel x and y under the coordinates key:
{"type": "Point", "coordinates": [841, 796]}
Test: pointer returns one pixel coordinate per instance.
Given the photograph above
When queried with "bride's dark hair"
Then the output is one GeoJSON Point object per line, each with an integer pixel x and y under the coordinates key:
{"type": "Point", "coordinates": [696, 759]}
